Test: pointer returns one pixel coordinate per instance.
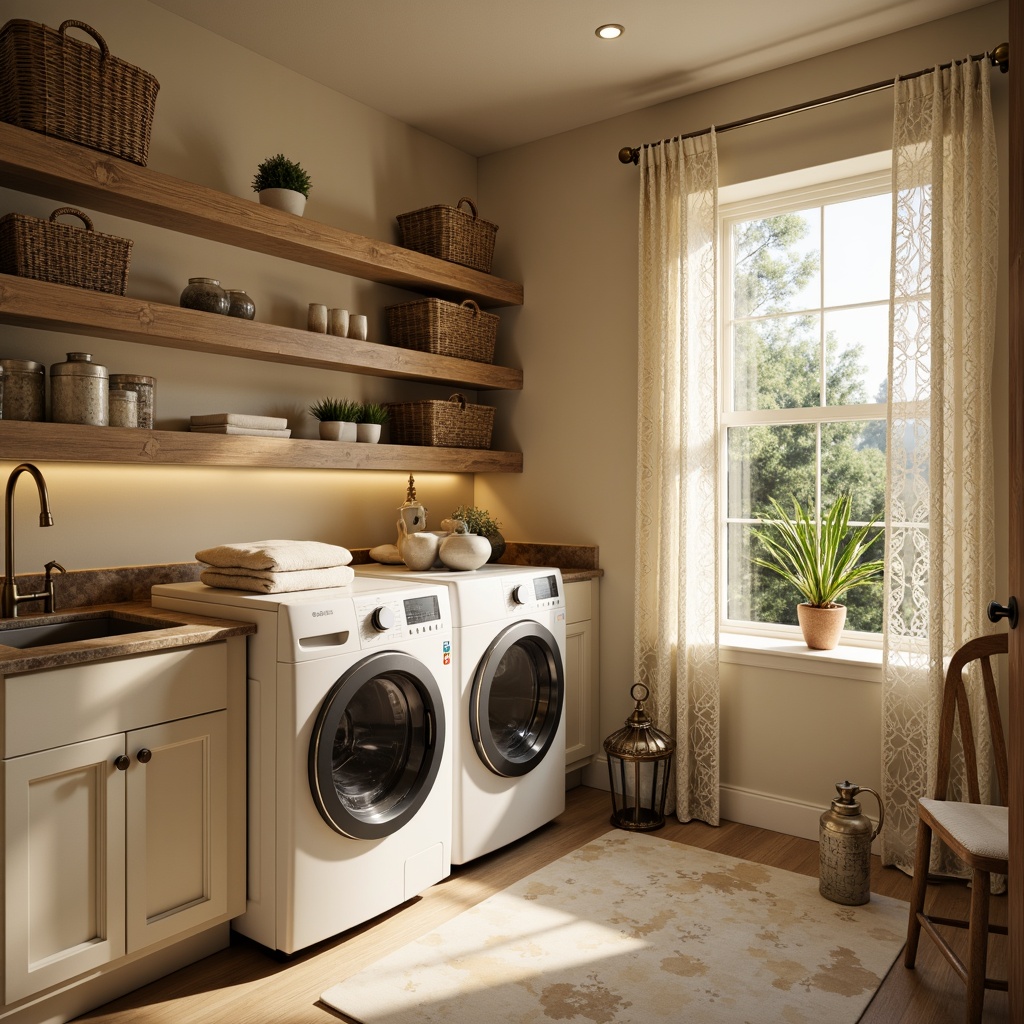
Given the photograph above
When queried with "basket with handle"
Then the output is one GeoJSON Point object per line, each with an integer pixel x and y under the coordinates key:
{"type": "Point", "coordinates": [52, 83]}
{"type": "Point", "coordinates": [459, 329]}
{"type": "Point", "coordinates": [48, 250]}
{"type": "Point", "coordinates": [454, 423]}
{"type": "Point", "coordinates": [451, 234]}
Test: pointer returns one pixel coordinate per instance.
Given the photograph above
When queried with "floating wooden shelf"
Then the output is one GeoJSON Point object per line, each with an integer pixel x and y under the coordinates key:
{"type": "Point", "coordinates": [28, 303]}
{"type": "Point", "coordinates": [44, 166]}
{"type": "Point", "coordinates": [66, 442]}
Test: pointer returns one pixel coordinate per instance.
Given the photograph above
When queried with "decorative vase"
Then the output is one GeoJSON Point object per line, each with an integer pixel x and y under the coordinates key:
{"type": "Point", "coordinates": [497, 545]}
{"type": "Point", "coordinates": [337, 430]}
{"type": "Point", "coordinates": [286, 199]}
{"type": "Point", "coordinates": [821, 627]}
{"type": "Point", "coordinates": [368, 432]}
{"type": "Point", "coordinates": [240, 305]}
{"type": "Point", "coordinates": [206, 294]}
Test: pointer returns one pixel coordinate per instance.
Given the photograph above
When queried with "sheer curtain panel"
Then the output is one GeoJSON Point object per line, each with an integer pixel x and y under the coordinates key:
{"type": "Point", "coordinates": [939, 501]}
{"type": "Point", "coordinates": [676, 601]}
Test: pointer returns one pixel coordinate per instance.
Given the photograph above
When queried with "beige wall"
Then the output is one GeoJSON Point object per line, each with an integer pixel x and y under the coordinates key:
{"type": "Point", "coordinates": [567, 210]}
{"type": "Point", "coordinates": [219, 111]}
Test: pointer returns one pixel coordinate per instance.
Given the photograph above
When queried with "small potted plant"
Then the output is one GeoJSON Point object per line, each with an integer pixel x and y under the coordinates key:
{"type": "Point", "coordinates": [338, 418]}
{"type": "Point", "coordinates": [480, 521]}
{"type": "Point", "coordinates": [821, 562]}
{"type": "Point", "coordinates": [371, 418]}
{"type": "Point", "coordinates": [282, 184]}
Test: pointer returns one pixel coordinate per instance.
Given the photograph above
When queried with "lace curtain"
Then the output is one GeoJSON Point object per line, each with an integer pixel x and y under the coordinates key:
{"type": "Point", "coordinates": [676, 598]}
{"type": "Point", "coordinates": [939, 500]}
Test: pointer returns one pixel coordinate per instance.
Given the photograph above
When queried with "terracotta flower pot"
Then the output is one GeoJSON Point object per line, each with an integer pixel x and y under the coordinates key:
{"type": "Point", "coordinates": [821, 627]}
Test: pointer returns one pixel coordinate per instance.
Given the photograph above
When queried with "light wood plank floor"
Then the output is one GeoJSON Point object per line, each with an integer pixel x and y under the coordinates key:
{"type": "Point", "coordinates": [246, 985]}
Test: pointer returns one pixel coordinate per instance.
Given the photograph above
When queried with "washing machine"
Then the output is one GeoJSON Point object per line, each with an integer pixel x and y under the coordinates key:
{"type": "Point", "coordinates": [349, 751]}
{"type": "Point", "coordinates": [508, 657]}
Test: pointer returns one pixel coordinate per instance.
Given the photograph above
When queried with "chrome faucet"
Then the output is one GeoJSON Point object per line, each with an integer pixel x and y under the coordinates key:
{"type": "Point", "coordinates": [9, 597]}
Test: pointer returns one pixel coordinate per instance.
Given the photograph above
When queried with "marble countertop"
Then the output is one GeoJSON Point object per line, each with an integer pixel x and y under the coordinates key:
{"type": "Point", "coordinates": [178, 629]}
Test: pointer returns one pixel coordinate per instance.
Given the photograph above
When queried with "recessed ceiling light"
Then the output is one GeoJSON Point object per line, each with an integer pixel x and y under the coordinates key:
{"type": "Point", "coordinates": [609, 31]}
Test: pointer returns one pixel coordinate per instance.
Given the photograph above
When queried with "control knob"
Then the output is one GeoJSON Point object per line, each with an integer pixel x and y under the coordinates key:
{"type": "Point", "coordinates": [382, 619]}
{"type": "Point", "coordinates": [520, 595]}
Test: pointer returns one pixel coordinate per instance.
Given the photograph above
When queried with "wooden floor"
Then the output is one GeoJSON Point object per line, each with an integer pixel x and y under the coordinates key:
{"type": "Point", "coordinates": [246, 985]}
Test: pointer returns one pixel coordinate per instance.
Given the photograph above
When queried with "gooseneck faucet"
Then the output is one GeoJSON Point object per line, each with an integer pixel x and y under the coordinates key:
{"type": "Point", "coordinates": [9, 597]}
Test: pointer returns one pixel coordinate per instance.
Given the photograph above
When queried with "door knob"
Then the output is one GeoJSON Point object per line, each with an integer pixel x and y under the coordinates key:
{"type": "Point", "coordinates": [1010, 611]}
{"type": "Point", "coordinates": [121, 762]}
{"type": "Point", "coordinates": [144, 756]}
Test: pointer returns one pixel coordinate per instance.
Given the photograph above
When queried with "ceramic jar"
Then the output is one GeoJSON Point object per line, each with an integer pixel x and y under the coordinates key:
{"type": "Point", "coordinates": [145, 388]}
{"type": "Point", "coordinates": [123, 408]}
{"type": "Point", "coordinates": [24, 390]}
{"type": "Point", "coordinates": [418, 550]}
{"type": "Point", "coordinates": [78, 391]}
{"type": "Point", "coordinates": [462, 550]}
{"type": "Point", "coordinates": [206, 294]}
{"type": "Point", "coordinates": [240, 305]}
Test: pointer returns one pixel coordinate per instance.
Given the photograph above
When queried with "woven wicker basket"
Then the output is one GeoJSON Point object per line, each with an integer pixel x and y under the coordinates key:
{"type": "Point", "coordinates": [462, 330]}
{"type": "Point", "coordinates": [451, 234]}
{"type": "Point", "coordinates": [64, 253]}
{"type": "Point", "coordinates": [61, 86]}
{"type": "Point", "coordinates": [438, 424]}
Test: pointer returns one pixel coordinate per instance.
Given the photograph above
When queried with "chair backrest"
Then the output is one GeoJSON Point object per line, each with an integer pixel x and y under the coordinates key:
{"type": "Point", "coordinates": [955, 705]}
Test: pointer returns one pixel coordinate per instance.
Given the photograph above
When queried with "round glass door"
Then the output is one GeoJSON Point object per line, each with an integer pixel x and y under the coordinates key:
{"type": "Point", "coordinates": [517, 698]}
{"type": "Point", "coordinates": [376, 746]}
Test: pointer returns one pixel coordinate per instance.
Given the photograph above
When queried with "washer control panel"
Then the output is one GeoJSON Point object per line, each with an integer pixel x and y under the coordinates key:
{"type": "Point", "coordinates": [542, 591]}
{"type": "Point", "coordinates": [386, 618]}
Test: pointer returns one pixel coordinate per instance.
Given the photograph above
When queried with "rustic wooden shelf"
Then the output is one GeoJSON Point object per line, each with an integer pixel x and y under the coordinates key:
{"type": "Point", "coordinates": [28, 303]}
{"type": "Point", "coordinates": [44, 166]}
{"type": "Point", "coordinates": [65, 442]}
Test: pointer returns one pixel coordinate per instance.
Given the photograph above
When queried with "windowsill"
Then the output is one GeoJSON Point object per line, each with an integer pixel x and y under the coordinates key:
{"type": "Point", "coordinates": [792, 655]}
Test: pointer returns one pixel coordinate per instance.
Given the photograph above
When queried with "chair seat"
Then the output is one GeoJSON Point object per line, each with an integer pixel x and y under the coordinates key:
{"type": "Point", "coordinates": [981, 829]}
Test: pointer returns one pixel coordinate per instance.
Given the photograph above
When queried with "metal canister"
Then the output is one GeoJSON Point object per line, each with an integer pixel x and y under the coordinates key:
{"type": "Point", "coordinates": [844, 847]}
{"type": "Point", "coordinates": [78, 391]}
{"type": "Point", "coordinates": [24, 390]}
{"type": "Point", "coordinates": [144, 387]}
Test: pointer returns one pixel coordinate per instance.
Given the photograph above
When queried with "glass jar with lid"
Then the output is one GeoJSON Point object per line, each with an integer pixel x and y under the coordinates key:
{"type": "Point", "coordinates": [78, 391]}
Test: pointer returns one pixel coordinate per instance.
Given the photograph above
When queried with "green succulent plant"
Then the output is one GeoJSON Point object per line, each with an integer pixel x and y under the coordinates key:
{"type": "Point", "coordinates": [814, 557]}
{"type": "Point", "coordinates": [280, 172]}
{"type": "Point", "coordinates": [373, 413]}
{"type": "Point", "coordinates": [477, 520]}
{"type": "Point", "coordinates": [334, 409]}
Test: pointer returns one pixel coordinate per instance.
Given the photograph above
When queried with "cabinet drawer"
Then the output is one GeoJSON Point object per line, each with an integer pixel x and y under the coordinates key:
{"type": "Point", "coordinates": [64, 705]}
{"type": "Point", "coordinates": [578, 601]}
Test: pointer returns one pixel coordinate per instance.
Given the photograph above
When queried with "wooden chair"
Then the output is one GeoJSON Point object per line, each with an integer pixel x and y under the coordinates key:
{"type": "Point", "coordinates": [976, 832]}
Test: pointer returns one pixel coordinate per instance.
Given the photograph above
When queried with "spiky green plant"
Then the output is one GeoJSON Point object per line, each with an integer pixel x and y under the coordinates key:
{"type": "Point", "coordinates": [477, 520]}
{"type": "Point", "coordinates": [812, 556]}
{"type": "Point", "coordinates": [333, 409]}
{"type": "Point", "coordinates": [373, 413]}
{"type": "Point", "coordinates": [280, 172]}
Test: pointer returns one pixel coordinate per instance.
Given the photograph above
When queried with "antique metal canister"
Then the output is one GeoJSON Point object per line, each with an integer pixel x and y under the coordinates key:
{"type": "Point", "coordinates": [844, 847]}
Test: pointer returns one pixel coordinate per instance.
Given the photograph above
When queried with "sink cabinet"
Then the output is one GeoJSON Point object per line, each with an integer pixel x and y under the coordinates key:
{"type": "Point", "coordinates": [123, 821]}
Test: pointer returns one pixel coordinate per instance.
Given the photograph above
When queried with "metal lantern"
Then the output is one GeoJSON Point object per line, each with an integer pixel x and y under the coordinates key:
{"type": "Point", "coordinates": [639, 762]}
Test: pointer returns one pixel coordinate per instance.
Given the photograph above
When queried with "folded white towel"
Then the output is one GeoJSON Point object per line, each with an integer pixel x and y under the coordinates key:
{"type": "Point", "coordinates": [240, 419]}
{"type": "Point", "coordinates": [279, 582]}
{"type": "Point", "coordinates": [276, 555]}
{"type": "Point", "coordinates": [230, 428]}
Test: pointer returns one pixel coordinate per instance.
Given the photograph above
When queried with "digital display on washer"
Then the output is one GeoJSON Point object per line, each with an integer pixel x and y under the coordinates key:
{"type": "Point", "coordinates": [545, 586]}
{"type": "Point", "coordinates": [421, 609]}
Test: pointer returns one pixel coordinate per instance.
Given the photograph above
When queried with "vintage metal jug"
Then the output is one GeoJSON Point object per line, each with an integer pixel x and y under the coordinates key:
{"type": "Point", "coordinates": [844, 847]}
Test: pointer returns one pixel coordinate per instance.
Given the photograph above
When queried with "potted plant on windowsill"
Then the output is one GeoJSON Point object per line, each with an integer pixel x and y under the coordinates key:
{"type": "Point", "coordinates": [821, 562]}
{"type": "Point", "coordinates": [282, 184]}
{"type": "Point", "coordinates": [371, 418]}
{"type": "Point", "coordinates": [480, 521]}
{"type": "Point", "coordinates": [338, 418]}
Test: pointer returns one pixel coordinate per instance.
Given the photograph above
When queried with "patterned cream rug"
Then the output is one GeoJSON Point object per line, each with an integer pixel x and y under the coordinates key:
{"type": "Point", "coordinates": [632, 928]}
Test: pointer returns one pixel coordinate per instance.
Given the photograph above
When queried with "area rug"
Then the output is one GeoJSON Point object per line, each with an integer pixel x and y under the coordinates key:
{"type": "Point", "coordinates": [634, 928]}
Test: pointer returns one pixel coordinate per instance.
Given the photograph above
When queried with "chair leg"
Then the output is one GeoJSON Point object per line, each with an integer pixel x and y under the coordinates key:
{"type": "Point", "coordinates": [922, 858]}
{"type": "Point", "coordinates": [977, 946]}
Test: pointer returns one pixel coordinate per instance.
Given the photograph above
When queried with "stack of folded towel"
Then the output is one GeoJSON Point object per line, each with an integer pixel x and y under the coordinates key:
{"type": "Point", "coordinates": [240, 423]}
{"type": "Point", "coordinates": [276, 566]}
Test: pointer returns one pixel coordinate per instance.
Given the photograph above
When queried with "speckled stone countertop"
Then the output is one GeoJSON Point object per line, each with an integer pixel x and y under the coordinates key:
{"type": "Point", "coordinates": [174, 629]}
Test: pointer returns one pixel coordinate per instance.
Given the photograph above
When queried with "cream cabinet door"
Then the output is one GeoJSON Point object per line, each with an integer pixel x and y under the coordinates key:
{"type": "Point", "coordinates": [176, 832]}
{"type": "Point", "coordinates": [581, 674]}
{"type": "Point", "coordinates": [63, 863]}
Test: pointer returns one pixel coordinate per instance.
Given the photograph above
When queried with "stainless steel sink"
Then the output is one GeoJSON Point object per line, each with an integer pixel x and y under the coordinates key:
{"type": "Point", "coordinates": [72, 629]}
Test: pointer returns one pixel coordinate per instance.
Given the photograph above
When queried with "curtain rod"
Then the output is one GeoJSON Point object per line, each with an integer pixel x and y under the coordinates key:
{"type": "Point", "coordinates": [999, 57]}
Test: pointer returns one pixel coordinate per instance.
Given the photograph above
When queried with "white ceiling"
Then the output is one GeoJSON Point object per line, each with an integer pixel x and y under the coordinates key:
{"type": "Point", "coordinates": [486, 75]}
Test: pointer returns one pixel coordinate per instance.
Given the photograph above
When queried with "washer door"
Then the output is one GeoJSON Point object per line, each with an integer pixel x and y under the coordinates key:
{"type": "Point", "coordinates": [517, 698]}
{"type": "Point", "coordinates": [377, 745]}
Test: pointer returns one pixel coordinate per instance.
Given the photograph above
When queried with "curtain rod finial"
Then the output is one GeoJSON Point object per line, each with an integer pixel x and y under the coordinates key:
{"type": "Point", "coordinates": [1000, 57]}
{"type": "Point", "coordinates": [629, 155]}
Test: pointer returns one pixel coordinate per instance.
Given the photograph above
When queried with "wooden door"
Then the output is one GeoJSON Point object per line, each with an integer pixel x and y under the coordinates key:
{"type": "Point", "coordinates": [1016, 512]}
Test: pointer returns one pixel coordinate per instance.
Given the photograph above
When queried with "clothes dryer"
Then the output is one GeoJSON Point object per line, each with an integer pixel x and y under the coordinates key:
{"type": "Point", "coordinates": [508, 655]}
{"type": "Point", "coordinates": [349, 760]}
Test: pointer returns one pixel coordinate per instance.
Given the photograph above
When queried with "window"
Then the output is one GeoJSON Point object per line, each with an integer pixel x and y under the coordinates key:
{"type": "Point", "coordinates": [805, 340]}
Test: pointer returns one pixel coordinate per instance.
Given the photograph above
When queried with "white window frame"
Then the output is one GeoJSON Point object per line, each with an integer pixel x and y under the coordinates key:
{"type": "Point", "coordinates": [742, 641]}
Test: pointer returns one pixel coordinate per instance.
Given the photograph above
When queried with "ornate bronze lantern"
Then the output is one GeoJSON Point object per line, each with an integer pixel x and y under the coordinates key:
{"type": "Point", "coordinates": [639, 791]}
